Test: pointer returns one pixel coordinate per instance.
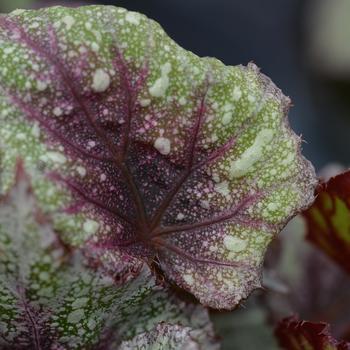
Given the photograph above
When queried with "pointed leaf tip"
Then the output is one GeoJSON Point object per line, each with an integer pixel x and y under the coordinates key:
{"type": "Point", "coordinates": [171, 158]}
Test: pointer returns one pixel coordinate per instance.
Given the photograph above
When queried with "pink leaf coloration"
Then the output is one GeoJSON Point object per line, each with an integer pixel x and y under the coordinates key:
{"type": "Point", "coordinates": [173, 160]}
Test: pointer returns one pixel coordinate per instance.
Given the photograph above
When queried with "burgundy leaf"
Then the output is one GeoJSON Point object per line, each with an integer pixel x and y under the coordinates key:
{"type": "Point", "coordinates": [303, 335]}
{"type": "Point", "coordinates": [328, 219]}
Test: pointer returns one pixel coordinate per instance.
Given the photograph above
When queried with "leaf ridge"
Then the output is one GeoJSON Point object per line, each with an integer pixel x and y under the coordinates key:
{"type": "Point", "coordinates": [33, 114]}
{"type": "Point", "coordinates": [197, 125]}
{"type": "Point", "coordinates": [178, 144]}
{"type": "Point", "coordinates": [180, 252]}
{"type": "Point", "coordinates": [76, 188]}
{"type": "Point", "coordinates": [217, 154]}
{"type": "Point", "coordinates": [70, 84]}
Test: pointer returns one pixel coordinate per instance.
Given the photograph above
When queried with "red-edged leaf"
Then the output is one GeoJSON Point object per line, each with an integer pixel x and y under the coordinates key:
{"type": "Point", "coordinates": [174, 160]}
{"type": "Point", "coordinates": [294, 334]}
{"type": "Point", "coordinates": [328, 219]}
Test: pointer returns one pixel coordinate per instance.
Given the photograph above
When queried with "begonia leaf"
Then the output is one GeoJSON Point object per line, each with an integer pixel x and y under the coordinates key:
{"type": "Point", "coordinates": [328, 219]}
{"type": "Point", "coordinates": [154, 154]}
{"type": "Point", "coordinates": [164, 336]}
{"type": "Point", "coordinates": [294, 334]}
{"type": "Point", "coordinates": [50, 298]}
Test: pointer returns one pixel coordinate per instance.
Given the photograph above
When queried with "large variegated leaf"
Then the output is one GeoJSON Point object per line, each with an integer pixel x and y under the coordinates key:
{"type": "Point", "coordinates": [160, 156]}
{"type": "Point", "coordinates": [50, 298]}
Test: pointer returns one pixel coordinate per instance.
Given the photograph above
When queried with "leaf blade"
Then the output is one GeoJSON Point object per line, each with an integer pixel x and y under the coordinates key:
{"type": "Point", "coordinates": [327, 220]}
{"type": "Point", "coordinates": [52, 298]}
{"type": "Point", "coordinates": [174, 141]}
{"type": "Point", "coordinates": [303, 335]}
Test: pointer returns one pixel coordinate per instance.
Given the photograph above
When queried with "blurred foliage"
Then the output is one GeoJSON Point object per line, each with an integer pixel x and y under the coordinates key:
{"type": "Point", "coordinates": [301, 279]}
{"type": "Point", "coordinates": [298, 279]}
{"type": "Point", "coordinates": [245, 328]}
{"type": "Point", "coordinates": [329, 34]}
{"type": "Point", "coordinates": [328, 220]}
{"type": "Point", "coordinates": [303, 335]}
